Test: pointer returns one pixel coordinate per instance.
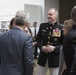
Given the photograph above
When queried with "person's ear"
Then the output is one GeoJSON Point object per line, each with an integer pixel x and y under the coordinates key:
{"type": "Point", "coordinates": [26, 23]}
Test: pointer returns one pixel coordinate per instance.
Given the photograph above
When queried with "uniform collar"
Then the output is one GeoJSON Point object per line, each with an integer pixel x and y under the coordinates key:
{"type": "Point", "coordinates": [53, 24]}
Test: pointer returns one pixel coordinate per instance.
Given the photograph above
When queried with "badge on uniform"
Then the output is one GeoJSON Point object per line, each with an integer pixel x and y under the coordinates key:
{"type": "Point", "coordinates": [55, 39]}
{"type": "Point", "coordinates": [44, 30]}
{"type": "Point", "coordinates": [56, 32]}
{"type": "Point", "coordinates": [49, 33]}
{"type": "Point", "coordinates": [48, 43]}
{"type": "Point", "coordinates": [50, 27]}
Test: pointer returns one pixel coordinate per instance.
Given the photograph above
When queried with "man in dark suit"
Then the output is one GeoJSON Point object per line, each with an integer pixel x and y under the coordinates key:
{"type": "Point", "coordinates": [16, 48]}
{"type": "Point", "coordinates": [49, 39]}
{"type": "Point", "coordinates": [69, 47]}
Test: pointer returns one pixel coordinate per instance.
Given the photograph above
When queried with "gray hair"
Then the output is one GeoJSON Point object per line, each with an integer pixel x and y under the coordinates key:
{"type": "Point", "coordinates": [21, 17]}
{"type": "Point", "coordinates": [73, 12]}
{"type": "Point", "coordinates": [56, 11]}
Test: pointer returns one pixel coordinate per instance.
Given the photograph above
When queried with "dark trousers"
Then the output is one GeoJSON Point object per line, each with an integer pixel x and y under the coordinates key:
{"type": "Point", "coordinates": [72, 73]}
{"type": "Point", "coordinates": [35, 51]}
{"type": "Point", "coordinates": [66, 71]}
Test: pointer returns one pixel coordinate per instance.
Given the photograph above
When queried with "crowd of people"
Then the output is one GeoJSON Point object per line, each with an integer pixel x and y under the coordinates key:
{"type": "Point", "coordinates": [56, 42]}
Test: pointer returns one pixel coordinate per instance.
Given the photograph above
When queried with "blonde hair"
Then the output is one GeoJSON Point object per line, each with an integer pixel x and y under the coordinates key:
{"type": "Point", "coordinates": [68, 24]}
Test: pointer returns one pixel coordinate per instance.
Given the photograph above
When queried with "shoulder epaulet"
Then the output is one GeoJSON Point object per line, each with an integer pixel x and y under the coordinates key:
{"type": "Point", "coordinates": [60, 24]}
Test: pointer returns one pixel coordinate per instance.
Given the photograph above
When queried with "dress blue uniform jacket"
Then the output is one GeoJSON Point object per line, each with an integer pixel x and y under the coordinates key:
{"type": "Point", "coordinates": [16, 54]}
{"type": "Point", "coordinates": [50, 35]}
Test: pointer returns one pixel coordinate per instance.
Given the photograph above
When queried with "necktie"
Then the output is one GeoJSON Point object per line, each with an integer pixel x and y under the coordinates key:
{"type": "Point", "coordinates": [35, 32]}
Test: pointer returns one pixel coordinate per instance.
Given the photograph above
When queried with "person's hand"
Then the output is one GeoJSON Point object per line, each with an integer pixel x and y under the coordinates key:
{"type": "Point", "coordinates": [34, 43]}
{"type": "Point", "coordinates": [44, 49]}
{"type": "Point", "coordinates": [50, 48]}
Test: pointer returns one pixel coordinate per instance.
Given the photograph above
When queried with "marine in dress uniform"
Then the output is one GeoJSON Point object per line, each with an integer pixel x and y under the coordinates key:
{"type": "Point", "coordinates": [49, 35]}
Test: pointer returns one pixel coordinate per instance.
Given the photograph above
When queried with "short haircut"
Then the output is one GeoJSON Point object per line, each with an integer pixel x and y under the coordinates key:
{"type": "Point", "coordinates": [56, 11]}
{"type": "Point", "coordinates": [73, 12]}
{"type": "Point", "coordinates": [21, 17]}
{"type": "Point", "coordinates": [35, 22]}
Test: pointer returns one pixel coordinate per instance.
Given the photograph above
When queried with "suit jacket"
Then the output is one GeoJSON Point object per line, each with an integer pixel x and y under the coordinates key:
{"type": "Point", "coordinates": [69, 48]}
{"type": "Point", "coordinates": [16, 53]}
{"type": "Point", "coordinates": [50, 35]}
{"type": "Point", "coordinates": [73, 69]}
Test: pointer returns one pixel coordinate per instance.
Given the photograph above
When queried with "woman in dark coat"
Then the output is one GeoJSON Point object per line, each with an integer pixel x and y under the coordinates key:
{"type": "Point", "coordinates": [66, 26]}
